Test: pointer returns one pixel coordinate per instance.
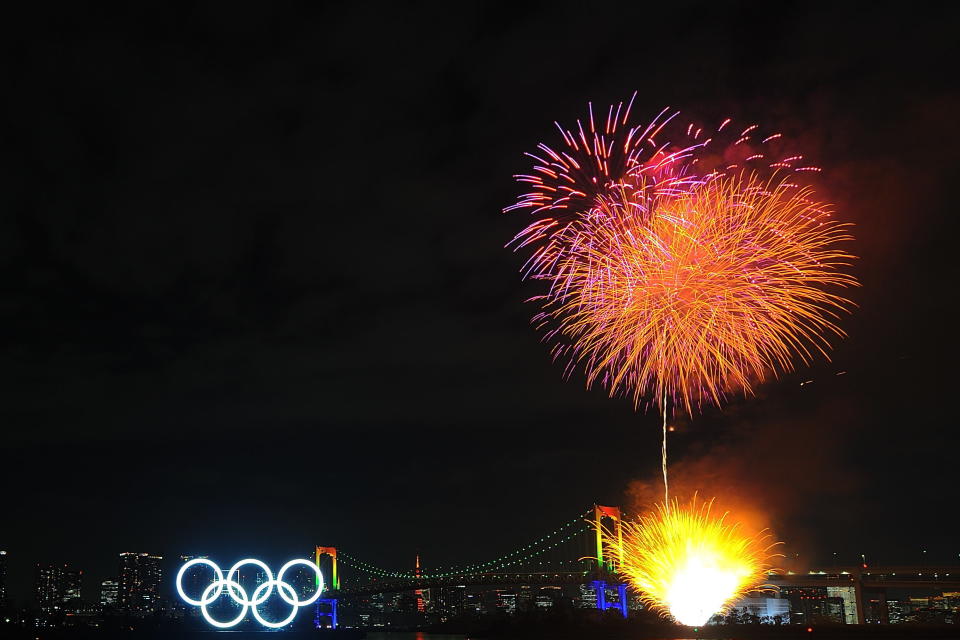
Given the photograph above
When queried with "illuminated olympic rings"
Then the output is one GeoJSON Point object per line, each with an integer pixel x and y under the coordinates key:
{"type": "Point", "coordinates": [239, 594]}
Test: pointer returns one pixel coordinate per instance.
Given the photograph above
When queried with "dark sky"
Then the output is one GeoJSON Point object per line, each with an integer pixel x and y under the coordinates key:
{"type": "Point", "coordinates": [254, 296]}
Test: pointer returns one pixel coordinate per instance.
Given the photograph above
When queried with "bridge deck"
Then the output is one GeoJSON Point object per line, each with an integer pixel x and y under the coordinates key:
{"type": "Point", "coordinates": [946, 578]}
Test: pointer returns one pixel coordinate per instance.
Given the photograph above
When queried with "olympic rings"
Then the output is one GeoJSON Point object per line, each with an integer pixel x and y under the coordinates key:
{"type": "Point", "coordinates": [239, 595]}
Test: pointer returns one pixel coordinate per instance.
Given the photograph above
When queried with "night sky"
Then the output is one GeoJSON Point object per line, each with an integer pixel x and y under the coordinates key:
{"type": "Point", "coordinates": [254, 294]}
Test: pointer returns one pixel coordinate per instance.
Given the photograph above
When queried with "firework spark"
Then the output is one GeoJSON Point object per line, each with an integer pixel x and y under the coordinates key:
{"type": "Point", "coordinates": [714, 288]}
{"type": "Point", "coordinates": [606, 162]}
{"type": "Point", "coordinates": [678, 272]}
{"type": "Point", "coordinates": [690, 563]}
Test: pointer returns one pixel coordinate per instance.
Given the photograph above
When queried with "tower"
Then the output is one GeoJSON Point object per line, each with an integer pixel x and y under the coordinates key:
{"type": "Point", "coordinates": [418, 573]}
{"type": "Point", "coordinates": [332, 552]}
{"type": "Point", "coordinates": [608, 559]}
{"type": "Point", "coordinates": [334, 584]}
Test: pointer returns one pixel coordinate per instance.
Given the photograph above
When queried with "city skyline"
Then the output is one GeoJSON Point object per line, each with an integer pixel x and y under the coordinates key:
{"type": "Point", "coordinates": [167, 564]}
{"type": "Point", "coordinates": [801, 598]}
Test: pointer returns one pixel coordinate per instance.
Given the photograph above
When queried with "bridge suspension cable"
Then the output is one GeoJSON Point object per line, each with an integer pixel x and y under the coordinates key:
{"type": "Point", "coordinates": [536, 548]}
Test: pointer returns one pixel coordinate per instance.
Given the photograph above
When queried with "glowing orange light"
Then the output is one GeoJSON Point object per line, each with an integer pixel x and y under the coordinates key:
{"type": "Point", "coordinates": [690, 563]}
{"type": "Point", "coordinates": [680, 267]}
{"type": "Point", "coordinates": [703, 293]}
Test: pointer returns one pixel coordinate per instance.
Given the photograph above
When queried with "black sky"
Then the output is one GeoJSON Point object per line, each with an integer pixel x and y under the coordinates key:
{"type": "Point", "coordinates": [254, 296]}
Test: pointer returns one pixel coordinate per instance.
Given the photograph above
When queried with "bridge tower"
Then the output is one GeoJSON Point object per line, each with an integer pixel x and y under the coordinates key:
{"type": "Point", "coordinates": [609, 560]}
{"type": "Point", "coordinates": [332, 552]}
{"type": "Point", "coordinates": [334, 584]}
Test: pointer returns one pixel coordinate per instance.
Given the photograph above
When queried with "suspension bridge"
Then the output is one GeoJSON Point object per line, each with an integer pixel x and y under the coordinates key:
{"type": "Point", "coordinates": [574, 553]}
{"type": "Point", "coordinates": [585, 551]}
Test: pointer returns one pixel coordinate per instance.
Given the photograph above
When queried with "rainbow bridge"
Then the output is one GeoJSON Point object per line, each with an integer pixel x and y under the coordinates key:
{"type": "Point", "coordinates": [578, 553]}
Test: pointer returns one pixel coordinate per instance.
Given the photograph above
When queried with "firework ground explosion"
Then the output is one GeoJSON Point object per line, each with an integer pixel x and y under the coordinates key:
{"type": "Point", "coordinates": [690, 562]}
{"type": "Point", "coordinates": [681, 264]}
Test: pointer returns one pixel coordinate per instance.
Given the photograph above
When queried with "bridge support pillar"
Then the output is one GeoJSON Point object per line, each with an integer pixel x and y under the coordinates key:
{"type": "Point", "coordinates": [858, 594]}
{"type": "Point", "coordinates": [332, 613]}
{"type": "Point", "coordinates": [600, 590]}
{"type": "Point", "coordinates": [622, 590]}
{"type": "Point", "coordinates": [600, 587]}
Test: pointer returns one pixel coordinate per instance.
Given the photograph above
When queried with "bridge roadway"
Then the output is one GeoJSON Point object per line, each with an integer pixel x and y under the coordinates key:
{"type": "Point", "coordinates": [870, 578]}
{"type": "Point", "coordinates": [874, 578]}
{"type": "Point", "coordinates": [476, 579]}
{"type": "Point", "coordinates": [867, 581]}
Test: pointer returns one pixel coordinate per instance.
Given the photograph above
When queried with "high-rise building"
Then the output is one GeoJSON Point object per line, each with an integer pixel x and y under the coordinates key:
{"type": "Point", "coordinates": [71, 589]}
{"type": "Point", "coordinates": [50, 587]}
{"type": "Point", "coordinates": [108, 593]}
{"type": "Point", "coordinates": [138, 584]}
{"type": "Point", "coordinates": [448, 601]}
{"type": "Point", "coordinates": [849, 597]}
{"type": "Point", "coordinates": [3, 579]}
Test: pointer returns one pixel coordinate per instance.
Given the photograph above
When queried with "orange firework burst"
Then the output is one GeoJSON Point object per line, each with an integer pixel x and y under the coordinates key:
{"type": "Point", "coordinates": [683, 263]}
{"type": "Point", "coordinates": [690, 563]}
{"type": "Point", "coordinates": [702, 292]}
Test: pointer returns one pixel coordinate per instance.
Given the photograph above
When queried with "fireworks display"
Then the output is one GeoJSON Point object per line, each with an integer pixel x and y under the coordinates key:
{"type": "Point", "coordinates": [678, 273]}
{"type": "Point", "coordinates": [718, 287]}
{"type": "Point", "coordinates": [682, 264]}
{"type": "Point", "coordinates": [690, 562]}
